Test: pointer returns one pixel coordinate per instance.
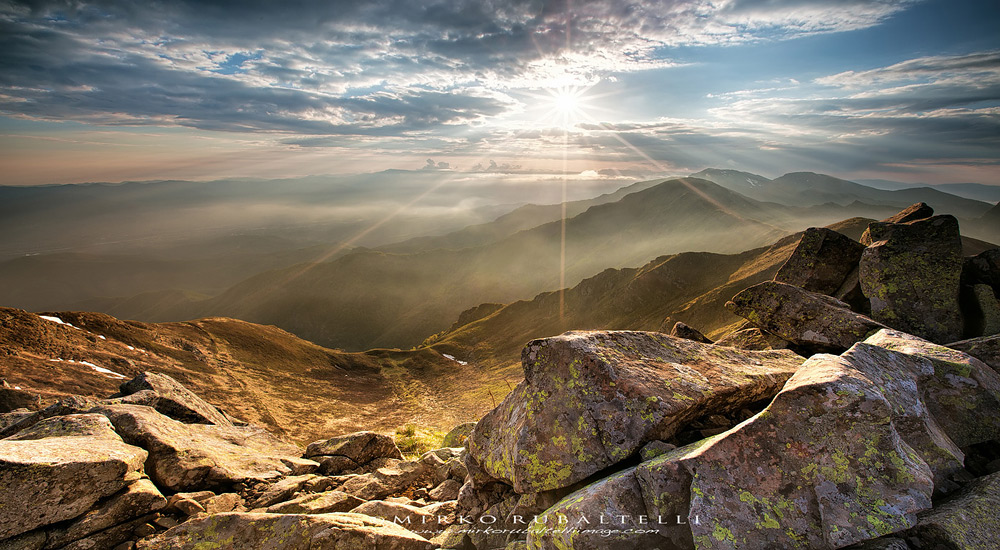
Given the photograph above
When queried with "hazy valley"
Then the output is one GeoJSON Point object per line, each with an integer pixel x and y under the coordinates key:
{"type": "Point", "coordinates": [342, 294]}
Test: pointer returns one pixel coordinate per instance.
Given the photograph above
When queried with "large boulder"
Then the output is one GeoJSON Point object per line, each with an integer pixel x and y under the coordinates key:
{"type": "Point", "coordinates": [682, 330]}
{"type": "Point", "coordinates": [283, 490]}
{"type": "Point", "coordinates": [962, 392]}
{"type": "Point", "coordinates": [987, 309]}
{"type": "Point", "coordinates": [351, 451]}
{"type": "Point", "coordinates": [53, 474]}
{"type": "Point", "coordinates": [969, 520]}
{"type": "Point", "coordinates": [911, 273]}
{"type": "Point", "coordinates": [394, 477]}
{"type": "Point", "coordinates": [169, 397]}
{"type": "Point", "coordinates": [138, 499]}
{"type": "Point", "coordinates": [199, 456]}
{"type": "Point", "coordinates": [821, 261]}
{"type": "Point", "coordinates": [245, 531]}
{"type": "Point", "coordinates": [986, 349]}
{"type": "Point", "coordinates": [14, 398]}
{"type": "Point", "coordinates": [402, 514]}
{"type": "Point", "coordinates": [317, 503]}
{"type": "Point", "coordinates": [808, 319]}
{"type": "Point", "coordinates": [983, 268]}
{"type": "Point", "coordinates": [848, 451]}
{"type": "Point", "coordinates": [457, 436]}
{"type": "Point", "coordinates": [73, 404]}
{"type": "Point", "coordinates": [592, 399]}
{"type": "Point", "coordinates": [914, 212]}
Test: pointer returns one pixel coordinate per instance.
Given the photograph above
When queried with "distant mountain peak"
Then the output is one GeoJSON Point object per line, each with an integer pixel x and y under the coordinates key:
{"type": "Point", "coordinates": [733, 179]}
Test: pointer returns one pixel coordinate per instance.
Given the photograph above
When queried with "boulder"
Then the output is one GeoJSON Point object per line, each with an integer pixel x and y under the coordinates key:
{"type": "Point", "coordinates": [287, 532]}
{"type": "Point", "coordinates": [317, 503]}
{"type": "Point", "coordinates": [969, 520]}
{"type": "Point", "coordinates": [13, 417]}
{"type": "Point", "coordinates": [962, 393]}
{"type": "Point", "coordinates": [446, 490]}
{"type": "Point", "coordinates": [654, 449]}
{"type": "Point", "coordinates": [911, 274]}
{"type": "Point", "coordinates": [113, 537]}
{"type": "Point", "coordinates": [848, 451]}
{"type": "Point", "coordinates": [914, 212]}
{"type": "Point", "coordinates": [986, 349]}
{"type": "Point", "coordinates": [183, 457]}
{"type": "Point", "coordinates": [13, 398]}
{"type": "Point", "coordinates": [989, 310]}
{"type": "Point", "coordinates": [592, 399]}
{"type": "Point", "coordinates": [282, 490]}
{"type": "Point", "coordinates": [45, 480]}
{"type": "Point", "coordinates": [808, 319]}
{"type": "Point", "coordinates": [851, 294]}
{"type": "Point", "coordinates": [138, 499]}
{"type": "Point", "coordinates": [34, 540]}
{"type": "Point", "coordinates": [74, 404]}
{"type": "Point", "coordinates": [983, 268]}
{"type": "Point", "coordinates": [169, 397]}
{"type": "Point", "coordinates": [394, 478]}
{"type": "Point", "coordinates": [351, 451]}
{"type": "Point", "coordinates": [682, 330]}
{"type": "Point", "coordinates": [752, 339]}
{"type": "Point", "coordinates": [457, 436]}
{"type": "Point", "coordinates": [821, 261]}
{"type": "Point", "coordinates": [69, 425]}
{"type": "Point", "coordinates": [409, 516]}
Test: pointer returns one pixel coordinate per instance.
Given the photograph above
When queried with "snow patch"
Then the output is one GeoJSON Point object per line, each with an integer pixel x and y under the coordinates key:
{"type": "Point", "coordinates": [101, 370]}
{"type": "Point", "coordinates": [17, 387]}
{"type": "Point", "coordinates": [131, 348]}
{"type": "Point", "coordinates": [452, 357]}
{"type": "Point", "coordinates": [101, 337]}
{"type": "Point", "coordinates": [57, 320]}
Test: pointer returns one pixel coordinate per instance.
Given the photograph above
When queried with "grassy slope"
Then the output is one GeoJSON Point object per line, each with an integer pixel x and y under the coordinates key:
{"type": "Point", "coordinates": [258, 373]}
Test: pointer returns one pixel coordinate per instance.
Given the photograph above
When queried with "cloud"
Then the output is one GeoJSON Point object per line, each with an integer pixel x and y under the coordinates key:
{"type": "Point", "coordinates": [494, 168]}
{"type": "Point", "coordinates": [431, 165]}
{"type": "Point", "coordinates": [375, 68]}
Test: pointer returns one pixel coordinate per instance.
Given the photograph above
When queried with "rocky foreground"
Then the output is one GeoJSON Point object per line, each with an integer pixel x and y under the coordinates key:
{"type": "Point", "coordinates": [885, 437]}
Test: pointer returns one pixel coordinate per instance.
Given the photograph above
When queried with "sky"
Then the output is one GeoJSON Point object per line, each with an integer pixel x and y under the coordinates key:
{"type": "Point", "coordinates": [906, 90]}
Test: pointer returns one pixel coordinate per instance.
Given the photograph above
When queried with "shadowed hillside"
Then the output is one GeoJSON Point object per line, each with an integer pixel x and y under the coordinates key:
{"type": "Point", "coordinates": [690, 287]}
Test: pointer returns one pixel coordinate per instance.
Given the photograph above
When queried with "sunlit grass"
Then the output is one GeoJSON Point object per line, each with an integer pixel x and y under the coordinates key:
{"type": "Point", "coordinates": [414, 440]}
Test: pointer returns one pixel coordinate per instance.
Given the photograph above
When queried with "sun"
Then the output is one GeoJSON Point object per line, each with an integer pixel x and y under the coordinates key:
{"type": "Point", "coordinates": [567, 104]}
{"type": "Point", "coordinates": [565, 101]}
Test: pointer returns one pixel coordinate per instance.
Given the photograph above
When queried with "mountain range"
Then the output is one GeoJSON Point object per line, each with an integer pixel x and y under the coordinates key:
{"type": "Point", "coordinates": [397, 294]}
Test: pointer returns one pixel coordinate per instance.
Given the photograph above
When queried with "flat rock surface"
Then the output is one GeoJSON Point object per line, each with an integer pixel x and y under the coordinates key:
{"type": "Point", "coordinates": [591, 399]}
{"type": "Point", "coordinates": [197, 456]}
{"type": "Point", "coordinates": [52, 479]}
